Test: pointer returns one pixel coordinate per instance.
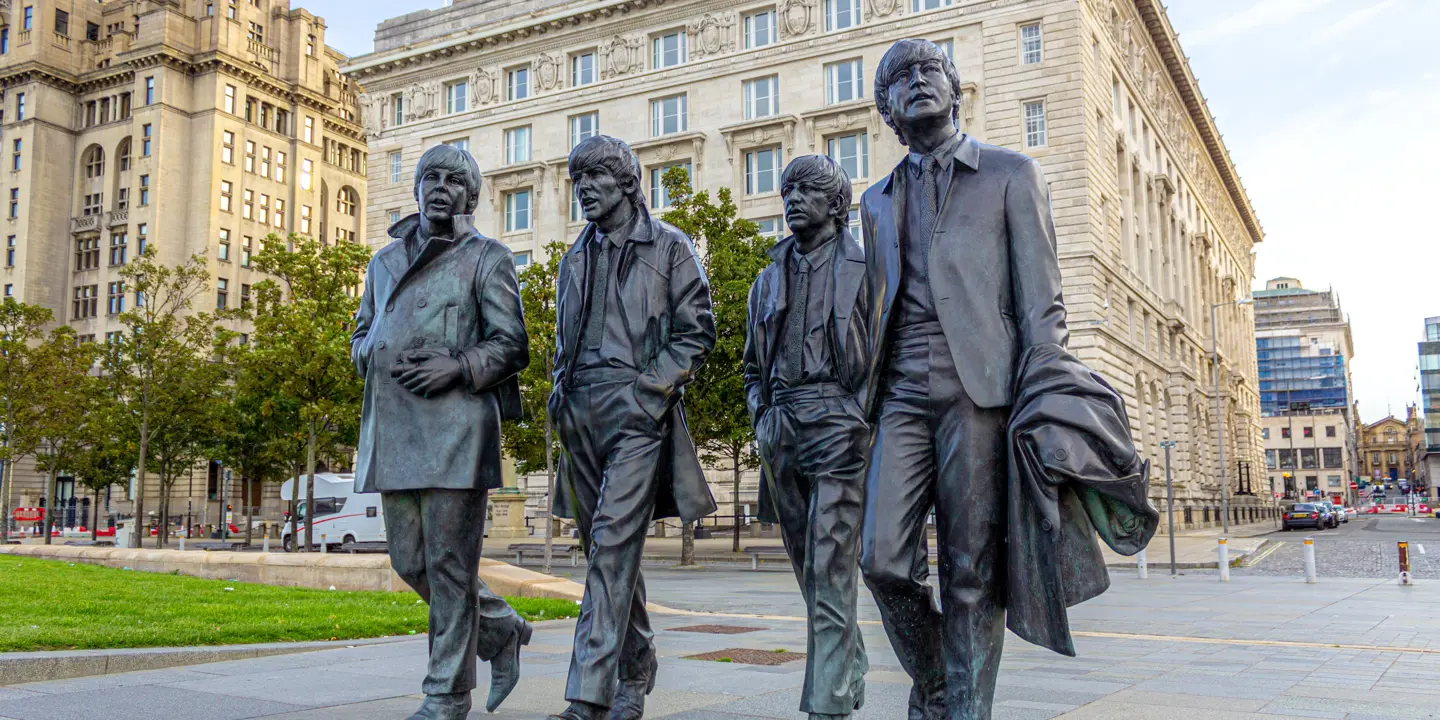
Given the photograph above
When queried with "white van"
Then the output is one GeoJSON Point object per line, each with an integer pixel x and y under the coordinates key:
{"type": "Point", "coordinates": [341, 514]}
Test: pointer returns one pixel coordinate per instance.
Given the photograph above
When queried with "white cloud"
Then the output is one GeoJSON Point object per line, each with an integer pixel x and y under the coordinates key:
{"type": "Point", "coordinates": [1350, 21]}
{"type": "Point", "coordinates": [1259, 15]}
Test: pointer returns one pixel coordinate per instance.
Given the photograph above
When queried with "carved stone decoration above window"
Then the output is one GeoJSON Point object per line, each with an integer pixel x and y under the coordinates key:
{"type": "Point", "coordinates": [530, 175]}
{"type": "Point", "coordinates": [883, 8]}
{"type": "Point", "coordinates": [714, 34]}
{"type": "Point", "coordinates": [482, 86]}
{"type": "Point", "coordinates": [671, 147]}
{"type": "Point", "coordinates": [860, 114]}
{"type": "Point", "coordinates": [372, 114]}
{"type": "Point", "coordinates": [547, 71]}
{"type": "Point", "coordinates": [969, 93]}
{"type": "Point", "coordinates": [797, 16]}
{"type": "Point", "coordinates": [424, 100]}
{"type": "Point", "coordinates": [620, 55]}
{"type": "Point", "coordinates": [758, 133]}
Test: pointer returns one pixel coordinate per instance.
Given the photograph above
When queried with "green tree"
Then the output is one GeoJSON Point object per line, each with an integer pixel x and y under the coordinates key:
{"type": "Point", "coordinates": [303, 319]}
{"type": "Point", "coordinates": [106, 454]}
{"type": "Point", "coordinates": [733, 253]}
{"type": "Point", "coordinates": [21, 327]}
{"type": "Point", "coordinates": [146, 369]}
{"type": "Point", "coordinates": [259, 440]}
{"type": "Point", "coordinates": [60, 407]}
{"type": "Point", "coordinates": [531, 440]}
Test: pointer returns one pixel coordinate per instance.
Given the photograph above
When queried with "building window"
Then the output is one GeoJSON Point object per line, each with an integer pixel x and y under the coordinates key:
{"type": "Point", "coordinates": [459, 144]}
{"type": "Point", "coordinates": [844, 81]}
{"type": "Point", "coordinates": [257, 32]}
{"type": "Point", "coordinates": [306, 168]}
{"type": "Point", "coordinates": [1035, 123]}
{"type": "Point", "coordinates": [309, 130]}
{"type": "Point", "coordinates": [263, 216]}
{"type": "Point", "coordinates": [583, 126]}
{"type": "Point", "coordinates": [144, 190]}
{"type": "Point", "coordinates": [1031, 51]}
{"type": "Point", "coordinates": [225, 194]}
{"type": "Point", "coordinates": [947, 46]}
{"type": "Point", "coordinates": [841, 14]}
{"type": "Point", "coordinates": [1307, 431]}
{"type": "Point", "coordinates": [244, 296]}
{"type": "Point", "coordinates": [517, 83]}
{"type": "Point", "coordinates": [517, 210]}
{"type": "Point", "coordinates": [19, 106]}
{"type": "Point", "coordinates": [122, 201]}
{"type": "Point", "coordinates": [923, 5]}
{"type": "Point", "coordinates": [577, 213]}
{"type": "Point", "coordinates": [668, 115]}
{"type": "Point", "coordinates": [230, 99]}
{"type": "Point", "coordinates": [85, 302]}
{"type": "Point", "coordinates": [310, 45]}
{"type": "Point", "coordinates": [5, 49]}
{"type": "Point", "coordinates": [227, 147]}
{"type": "Point", "coordinates": [247, 207]}
{"type": "Point", "coordinates": [10, 251]}
{"type": "Point", "coordinates": [667, 50]}
{"type": "Point", "coordinates": [62, 22]}
{"type": "Point", "coordinates": [280, 167]}
{"type": "Point", "coordinates": [346, 201]}
{"type": "Point", "coordinates": [659, 196]}
{"type": "Point", "coordinates": [87, 253]}
{"type": "Point", "coordinates": [760, 29]}
{"type": "Point", "coordinates": [118, 249]}
{"type": "Point", "coordinates": [142, 238]}
{"type": "Point", "coordinates": [395, 167]}
{"type": "Point", "coordinates": [304, 219]}
{"type": "Point", "coordinates": [29, 18]}
{"type": "Point", "coordinates": [15, 156]}
{"type": "Point", "coordinates": [1331, 457]}
{"type": "Point", "coordinates": [1329, 431]}
{"type": "Point", "coordinates": [150, 90]}
{"type": "Point", "coordinates": [265, 162]}
{"type": "Point", "coordinates": [9, 290]}
{"type": "Point", "coordinates": [279, 215]}
{"type": "Point", "coordinates": [145, 140]}
{"type": "Point", "coordinates": [245, 249]}
{"type": "Point", "coordinates": [91, 204]}
{"type": "Point", "coordinates": [852, 152]}
{"type": "Point", "coordinates": [394, 216]}
{"type": "Point", "coordinates": [249, 156]}
{"type": "Point", "coordinates": [94, 161]}
{"type": "Point", "coordinates": [762, 97]}
{"type": "Point", "coordinates": [582, 69]}
{"type": "Point", "coordinates": [770, 227]}
{"type": "Point", "coordinates": [115, 298]}
{"type": "Point", "coordinates": [517, 145]}
{"type": "Point", "coordinates": [762, 171]}
{"type": "Point", "coordinates": [1284, 432]}
{"type": "Point", "coordinates": [14, 203]}
{"type": "Point", "coordinates": [1265, 433]}
{"type": "Point", "coordinates": [457, 94]}
{"type": "Point", "coordinates": [222, 293]}
{"type": "Point", "coordinates": [852, 220]}
{"type": "Point", "coordinates": [397, 109]}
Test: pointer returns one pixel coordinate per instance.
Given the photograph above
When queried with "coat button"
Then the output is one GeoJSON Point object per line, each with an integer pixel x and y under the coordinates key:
{"type": "Point", "coordinates": [418, 342]}
{"type": "Point", "coordinates": [1061, 454]}
{"type": "Point", "coordinates": [421, 303]}
{"type": "Point", "coordinates": [381, 345]}
{"type": "Point", "coordinates": [1045, 524]}
{"type": "Point", "coordinates": [390, 306]}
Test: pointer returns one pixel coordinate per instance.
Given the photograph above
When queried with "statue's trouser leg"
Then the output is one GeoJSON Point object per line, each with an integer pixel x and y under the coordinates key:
{"type": "Point", "coordinates": [613, 451]}
{"type": "Point", "coordinates": [434, 538]}
{"type": "Point", "coordinates": [934, 449]}
{"type": "Point", "coordinates": [817, 450]}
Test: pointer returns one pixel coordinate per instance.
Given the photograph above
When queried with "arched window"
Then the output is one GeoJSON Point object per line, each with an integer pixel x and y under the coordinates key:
{"type": "Point", "coordinates": [122, 153]}
{"type": "Point", "coordinates": [95, 162]}
{"type": "Point", "coordinates": [346, 202]}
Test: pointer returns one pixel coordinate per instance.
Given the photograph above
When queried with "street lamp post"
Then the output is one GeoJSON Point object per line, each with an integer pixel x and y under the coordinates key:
{"type": "Point", "coordinates": [1219, 413]}
{"type": "Point", "coordinates": [1169, 502]}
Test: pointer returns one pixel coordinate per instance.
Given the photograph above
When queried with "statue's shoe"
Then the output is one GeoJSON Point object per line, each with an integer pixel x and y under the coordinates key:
{"type": "Point", "coordinates": [505, 667]}
{"type": "Point", "coordinates": [453, 706]}
{"type": "Point", "coordinates": [630, 696]}
{"type": "Point", "coordinates": [582, 711]}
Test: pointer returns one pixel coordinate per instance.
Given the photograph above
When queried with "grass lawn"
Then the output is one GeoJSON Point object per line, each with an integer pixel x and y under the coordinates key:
{"type": "Point", "coordinates": [54, 605]}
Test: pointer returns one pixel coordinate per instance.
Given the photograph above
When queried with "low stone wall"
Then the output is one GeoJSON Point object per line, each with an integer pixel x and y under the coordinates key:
{"type": "Point", "coordinates": [312, 570]}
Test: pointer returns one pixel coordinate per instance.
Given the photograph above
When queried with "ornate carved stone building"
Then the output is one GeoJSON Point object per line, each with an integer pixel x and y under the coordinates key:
{"type": "Point", "coordinates": [1154, 226]}
{"type": "Point", "coordinates": [195, 127]}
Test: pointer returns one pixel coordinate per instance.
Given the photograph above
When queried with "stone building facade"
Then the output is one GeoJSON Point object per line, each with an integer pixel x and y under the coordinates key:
{"type": "Point", "coordinates": [1387, 453]}
{"type": "Point", "coordinates": [196, 127]}
{"type": "Point", "coordinates": [1153, 224]}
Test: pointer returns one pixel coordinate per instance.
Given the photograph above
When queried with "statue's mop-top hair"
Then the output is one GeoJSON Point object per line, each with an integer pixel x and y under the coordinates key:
{"type": "Point", "coordinates": [611, 155]}
{"type": "Point", "coordinates": [899, 58]}
{"type": "Point", "coordinates": [453, 159]}
{"type": "Point", "coordinates": [822, 173]}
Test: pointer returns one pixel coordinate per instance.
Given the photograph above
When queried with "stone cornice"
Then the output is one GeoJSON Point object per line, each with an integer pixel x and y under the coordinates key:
{"type": "Point", "coordinates": [761, 131]}
{"type": "Point", "coordinates": [531, 174]}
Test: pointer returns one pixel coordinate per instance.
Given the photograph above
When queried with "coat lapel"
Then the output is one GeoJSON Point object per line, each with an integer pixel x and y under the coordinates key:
{"type": "Point", "coordinates": [772, 318]}
{"type": "Point", "coordinates": [464, 228]}
{"type": "Point", "coordinates": [891, 251]}
{"type": "Point", "coordinates": [576, 294]}
{"type": "Point", "coordinates": [849, 271]}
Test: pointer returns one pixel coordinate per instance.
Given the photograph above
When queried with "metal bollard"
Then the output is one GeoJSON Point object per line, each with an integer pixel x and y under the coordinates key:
{"type": "Point", "coordinates": [324, 549]}
{"type": "Point", "coordinates": [182, 544]}
{"type": "Point", "coordinates": [265, 544]}
{"type": "Point", "coordinates": [1223, 562]}
{"type": "Point", "coordinates": [1404, 547]}
{"type": "Point", "coordinates": [1310, 561]}
{"type": "Point", "coordinates": [1142, 565]}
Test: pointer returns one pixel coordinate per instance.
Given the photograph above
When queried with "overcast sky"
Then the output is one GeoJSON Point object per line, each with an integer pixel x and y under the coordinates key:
{"type": "Point", "coordinates": [1330, 109]}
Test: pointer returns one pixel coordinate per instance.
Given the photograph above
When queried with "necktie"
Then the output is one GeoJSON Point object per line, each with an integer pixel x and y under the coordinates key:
{"type": "Point", "coordinates": [929, 169]}
{"type": "Point", "coordinates": [795, 323]}
{"type": "Point", "coordinates": [595, 323]}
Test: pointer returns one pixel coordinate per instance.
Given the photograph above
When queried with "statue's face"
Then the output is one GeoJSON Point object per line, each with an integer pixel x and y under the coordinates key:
{"type": "Point", "coordinates": [600, 193]}
{"type": "Point", "coordinates": [920, 92]}
{"type": "Point", "coordinates": [442, 194]}
{"type": "Point", "coordinates": [807, 209]}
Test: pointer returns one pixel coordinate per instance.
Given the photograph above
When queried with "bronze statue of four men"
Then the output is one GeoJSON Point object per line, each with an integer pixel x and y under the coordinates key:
{"type": "Point", "coordinates": [923, 373]}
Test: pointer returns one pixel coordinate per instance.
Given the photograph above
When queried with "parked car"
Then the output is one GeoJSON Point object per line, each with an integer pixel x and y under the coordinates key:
{"type": "Point", "coordinates": [1305, 515]}
{"type": "Point", "coordinates": [1340, 515]}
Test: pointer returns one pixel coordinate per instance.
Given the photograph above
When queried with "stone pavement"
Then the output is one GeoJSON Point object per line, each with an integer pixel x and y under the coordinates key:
{"type": "Point", "coordinates": [1257, 648]}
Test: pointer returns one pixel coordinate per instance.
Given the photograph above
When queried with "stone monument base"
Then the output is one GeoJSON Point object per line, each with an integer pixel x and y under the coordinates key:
{"type": "Point", "coordinates": [507, 514]}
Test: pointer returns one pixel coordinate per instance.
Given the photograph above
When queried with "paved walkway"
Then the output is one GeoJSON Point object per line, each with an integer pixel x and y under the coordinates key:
{"type": "Point", "coordinates": [1257, 648]}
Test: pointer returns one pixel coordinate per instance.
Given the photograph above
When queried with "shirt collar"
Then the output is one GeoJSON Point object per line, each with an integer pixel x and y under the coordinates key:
{"type": "Point", "coordinates": [638, 230]}
{"type": "Point", "coordinates": [817, 257]}
{"type": "Point", "coordinates": [944, 155]}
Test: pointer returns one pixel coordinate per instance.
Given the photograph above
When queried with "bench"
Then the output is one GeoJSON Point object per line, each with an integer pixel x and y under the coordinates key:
{"type": "Point", "coordinates": [538, 550]}
{"type": "Point", "coordinates": [756, 551]}
{"type": "Point", "coordinates": [373, 546]}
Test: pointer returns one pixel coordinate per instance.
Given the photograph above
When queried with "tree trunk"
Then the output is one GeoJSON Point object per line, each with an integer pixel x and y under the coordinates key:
{"type": "Point", "coordinates": [249, 513]}
{"type": "Point", "coordinates": [162, 522]}
{"type": "Point", "coordinates": [310, 488]}
{"type": "Point", "coordinates": [735, 466]}
{"type": "Point", "coordinates": [50, 503]}
{"type": "Point", "coordinates": [549, 498]}
{"type": "Point", "coordinates": [95, 516]}
{"type": "Point", "coordinates": [139, 522]}
{"type": "Point", "coordinates": [687, 545]}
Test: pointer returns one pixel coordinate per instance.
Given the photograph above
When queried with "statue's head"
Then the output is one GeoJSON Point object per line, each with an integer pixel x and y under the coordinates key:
{"type": "Point", "coordinates": [447, 183]}
{"type": "Point", "coordinates": [816, 190]}
{"type": "Point", "coordinates": [916, 84]}
{"type": "Point", "coordinates": [605, 173]}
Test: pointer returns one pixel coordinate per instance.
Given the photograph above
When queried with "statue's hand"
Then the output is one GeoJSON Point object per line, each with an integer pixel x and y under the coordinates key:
{"type": "Point", "coordinates": [426, 372]}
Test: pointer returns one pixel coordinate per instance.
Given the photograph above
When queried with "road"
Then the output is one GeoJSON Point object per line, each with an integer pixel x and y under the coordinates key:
{"type": "Point", "coordinates": [1362, 548]}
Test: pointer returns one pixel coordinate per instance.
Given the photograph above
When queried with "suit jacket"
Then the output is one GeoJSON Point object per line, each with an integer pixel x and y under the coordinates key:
{"type": "Point", "coordinates": [665, 312]}
{"type": "Point", "coordinates": [460, 295]}
{"type": "Point", "coordinates": [768, 310]}
{"type": "Point", "coordinates": [994, 275]}
{"type": "Point", "coordinates": [1073, 472]}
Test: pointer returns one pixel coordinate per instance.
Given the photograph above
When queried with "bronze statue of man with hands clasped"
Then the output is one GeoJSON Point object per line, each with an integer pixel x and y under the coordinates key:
{"type": "Point", "coordinates": [439, 338]}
